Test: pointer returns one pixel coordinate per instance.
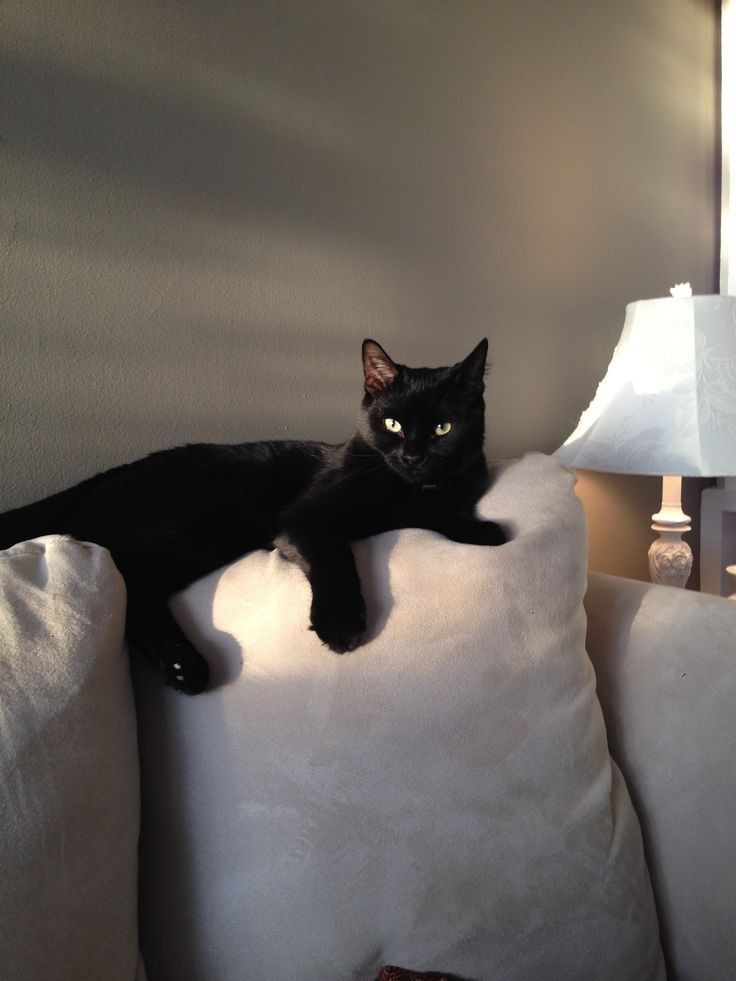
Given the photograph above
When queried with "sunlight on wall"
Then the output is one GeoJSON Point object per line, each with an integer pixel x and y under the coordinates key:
{"type": "Point", "coordinates": [184, 70]}
{"type": "Point", "coordinates": [728, 144]}
{"type": "Point", "coordinates": [210, 205]}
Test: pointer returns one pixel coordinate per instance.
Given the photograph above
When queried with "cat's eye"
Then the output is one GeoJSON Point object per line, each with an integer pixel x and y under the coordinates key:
{"type": "Point", "coordinates": [442, 429]}
{"type": "Point", "coordinates": [393, 425]}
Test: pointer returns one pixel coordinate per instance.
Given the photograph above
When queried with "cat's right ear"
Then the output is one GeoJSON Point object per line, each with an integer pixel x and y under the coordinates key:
{"type": "Point", "coordinates": [474, 366]}
{"type": "Point", "coordinates": [380, 371]}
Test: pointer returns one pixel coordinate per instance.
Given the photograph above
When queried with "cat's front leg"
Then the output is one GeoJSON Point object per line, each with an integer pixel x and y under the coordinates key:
{"type": "Point", "coordinates": [337, 616]}
{"type": "Point", "coordinates": [337, 613]}
{"type": "Point", "coordinates": [469, 530]}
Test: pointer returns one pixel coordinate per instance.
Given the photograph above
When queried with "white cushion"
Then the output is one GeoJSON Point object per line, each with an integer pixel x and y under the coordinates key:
{"type": "Point", "coordinates": [68, 767]}
{"type": "Point", "coordinates": [666, 666]}
{"type": "Point", "coordinates": [442, 798]}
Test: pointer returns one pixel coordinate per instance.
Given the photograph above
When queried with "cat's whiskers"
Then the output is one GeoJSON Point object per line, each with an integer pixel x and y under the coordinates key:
{"type": "Point", "coordinates": [358, 472]}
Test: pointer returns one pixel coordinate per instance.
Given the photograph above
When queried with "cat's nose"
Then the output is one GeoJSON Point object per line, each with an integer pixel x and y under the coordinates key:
{"type": "Point", "coordinates": [412, 458]}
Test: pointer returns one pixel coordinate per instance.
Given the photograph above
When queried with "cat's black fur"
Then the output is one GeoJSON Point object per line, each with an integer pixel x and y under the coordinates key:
{"type": "Point", "coordinates": [176, 515]}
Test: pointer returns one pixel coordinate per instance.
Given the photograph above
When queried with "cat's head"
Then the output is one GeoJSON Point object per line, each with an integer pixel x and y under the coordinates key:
{"type": "Point", "coordinates": [428, 423]}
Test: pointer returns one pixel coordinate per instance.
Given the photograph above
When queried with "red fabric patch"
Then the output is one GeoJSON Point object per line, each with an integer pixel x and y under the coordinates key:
{"type": "Point", "coordinates": [390, 973]}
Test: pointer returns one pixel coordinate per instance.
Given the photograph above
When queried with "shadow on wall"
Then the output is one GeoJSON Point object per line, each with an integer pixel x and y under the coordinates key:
{"type": "Point", "coordinates": [206, 225]}
{"type": "Point", "coordinates": [213, 204]}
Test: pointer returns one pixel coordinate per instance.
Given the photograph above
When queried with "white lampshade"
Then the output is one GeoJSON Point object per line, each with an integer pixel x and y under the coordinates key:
{"type": "Point", "coordinates": [667, 404]}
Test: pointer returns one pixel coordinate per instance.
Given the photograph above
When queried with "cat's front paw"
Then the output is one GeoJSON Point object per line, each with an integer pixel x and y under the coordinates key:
{"type": "Point", "coordinates": [339, 621]}
{"type": "Point", "coordinates": [490, 533]}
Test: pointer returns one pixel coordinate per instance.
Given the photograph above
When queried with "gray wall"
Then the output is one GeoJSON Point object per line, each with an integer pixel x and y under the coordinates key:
{"type": "Point", "coordinates": [207, 206]}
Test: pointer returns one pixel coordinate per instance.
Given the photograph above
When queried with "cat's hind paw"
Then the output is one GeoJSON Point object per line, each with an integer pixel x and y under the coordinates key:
{"type": "Point", "coordinates": [152, 629]}
{"type": "Point", "coordinates": [189, 675]}
{"type": "Point", "coordinates": [181, 666]}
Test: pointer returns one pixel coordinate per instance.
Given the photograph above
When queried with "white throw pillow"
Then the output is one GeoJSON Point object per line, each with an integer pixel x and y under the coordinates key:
{"type": "Point", "coordinates": [69, 806]}
{"type": "Point", "coordinates": [441, 799]}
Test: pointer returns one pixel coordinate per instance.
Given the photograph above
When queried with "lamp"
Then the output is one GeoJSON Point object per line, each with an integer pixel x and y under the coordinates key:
{"type": "Point", "coordinates": [667, 407]}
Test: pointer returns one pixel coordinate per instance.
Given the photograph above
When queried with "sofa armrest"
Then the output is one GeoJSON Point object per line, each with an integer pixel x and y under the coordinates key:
{"type": "Point", "coordinates": [665, 662]}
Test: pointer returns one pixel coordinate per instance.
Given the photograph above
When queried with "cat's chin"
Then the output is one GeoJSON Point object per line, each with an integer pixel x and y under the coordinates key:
{"type": "Point", "coordinates": [418, 478]}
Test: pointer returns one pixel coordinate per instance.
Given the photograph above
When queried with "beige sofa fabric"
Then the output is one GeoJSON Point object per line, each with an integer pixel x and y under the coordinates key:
{"type": "Point", "coordinates": [441, 798]}
{"type": "Point", "coordinates": [68, 768]}
{"type": "Point", "coordinates": [666, 666]}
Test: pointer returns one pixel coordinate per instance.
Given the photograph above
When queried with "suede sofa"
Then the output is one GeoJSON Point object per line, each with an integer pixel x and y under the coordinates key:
{"type": "Point", "coordinates": [527, 772]}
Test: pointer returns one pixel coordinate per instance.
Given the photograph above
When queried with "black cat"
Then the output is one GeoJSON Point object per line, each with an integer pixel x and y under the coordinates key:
{"type": "Point", "coordinates": [176, 515]}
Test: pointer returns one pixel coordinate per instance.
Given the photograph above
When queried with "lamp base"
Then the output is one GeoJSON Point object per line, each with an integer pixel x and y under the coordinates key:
{"type": "Point", "coordinates": [731, 570]}
{"type": "Point", "coordinates": [670, 558]}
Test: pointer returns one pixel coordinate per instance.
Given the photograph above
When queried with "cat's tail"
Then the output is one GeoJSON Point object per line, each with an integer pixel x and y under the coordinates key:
{"type": "Point", "coordinates": [45, 517]}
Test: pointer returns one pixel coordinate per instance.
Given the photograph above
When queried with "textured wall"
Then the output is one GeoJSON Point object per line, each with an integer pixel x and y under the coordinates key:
{"type": "Point", "coordinates": [207, 206]}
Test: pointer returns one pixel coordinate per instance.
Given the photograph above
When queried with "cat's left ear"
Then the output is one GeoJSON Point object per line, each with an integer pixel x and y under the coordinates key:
{"type": "Point", "coordinates": [474, 366]}
{"type": "Point", "coordinates": [380, 371]}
